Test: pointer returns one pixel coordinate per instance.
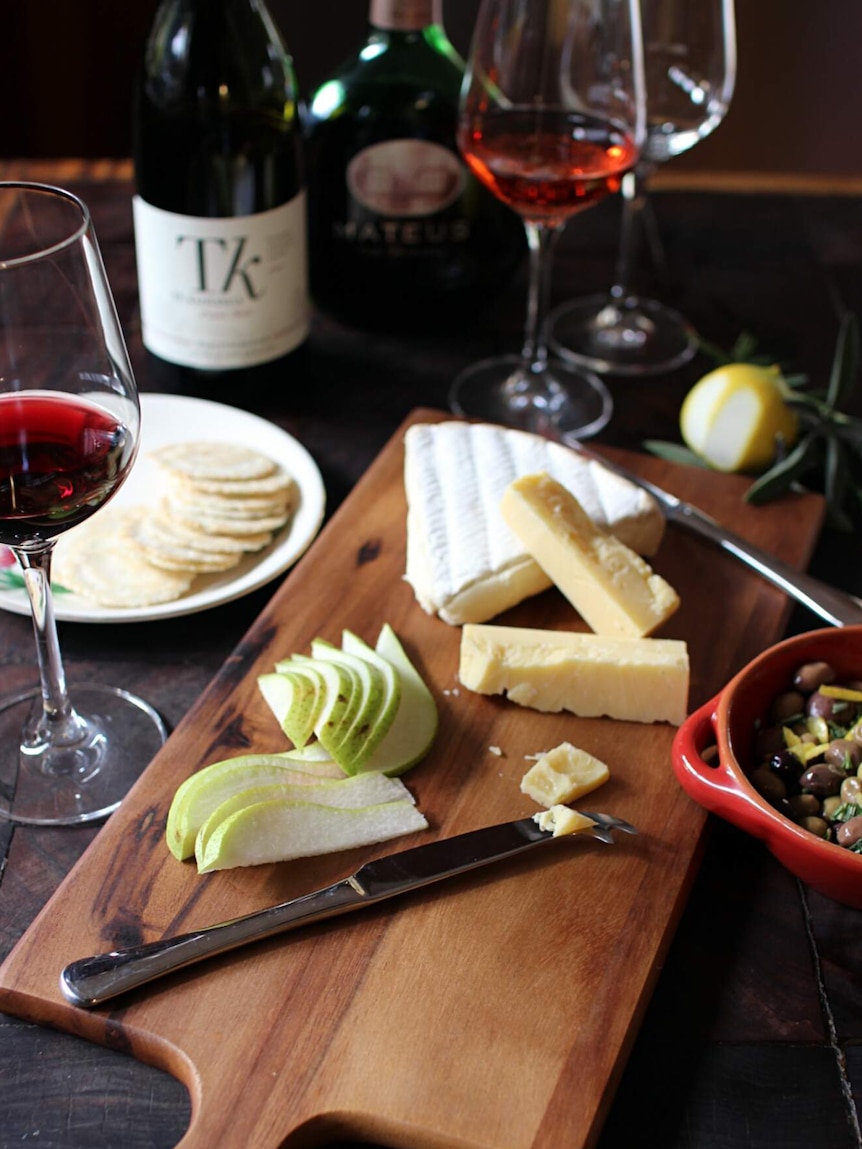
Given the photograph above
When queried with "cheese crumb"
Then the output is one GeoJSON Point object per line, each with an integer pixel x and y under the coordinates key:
{"type": "Point", "coordinates": [563, 774]}
{"type": "Point", "coordinates": [495, 750]}
{"type": "Point", "coordinates": [561, 820]}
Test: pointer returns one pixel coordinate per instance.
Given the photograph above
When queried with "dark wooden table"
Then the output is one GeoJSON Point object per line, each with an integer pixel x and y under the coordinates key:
{"type": "Point", "coordinates": [753, 1037]}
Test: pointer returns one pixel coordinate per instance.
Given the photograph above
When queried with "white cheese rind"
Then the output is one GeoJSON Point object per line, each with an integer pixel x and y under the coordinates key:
{"type": "Point", "coordinates": [613, 589]}
{"type": "Point", "coordinates": [591, 675]}
{"type": "Point", "coordinates": [463, 562]}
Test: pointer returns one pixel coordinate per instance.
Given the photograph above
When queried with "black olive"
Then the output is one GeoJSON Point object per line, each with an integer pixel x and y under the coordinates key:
{"type": "Point", "coordinates": [786, 765]}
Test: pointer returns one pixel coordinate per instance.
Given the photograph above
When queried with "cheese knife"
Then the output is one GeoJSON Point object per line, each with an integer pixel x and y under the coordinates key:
{"type": "Point", "coordinates": [836, 607]}
{"type": "Point", "coordinates": [92, 980]}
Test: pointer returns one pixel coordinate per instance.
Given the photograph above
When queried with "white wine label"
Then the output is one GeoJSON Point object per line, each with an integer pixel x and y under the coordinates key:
{"type": "Point", "coordinates": [220, 293]}
{"type": "Point", "coordinates": [406, 177]}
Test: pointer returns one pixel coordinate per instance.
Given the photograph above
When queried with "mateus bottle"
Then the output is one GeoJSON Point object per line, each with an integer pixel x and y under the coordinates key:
{"type": "Point", "coordinates": [401, 236]}
{"type": "Point", "coordinates": [219, 210]}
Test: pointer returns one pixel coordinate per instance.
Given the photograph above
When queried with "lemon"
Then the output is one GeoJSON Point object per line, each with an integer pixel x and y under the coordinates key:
{"type": "Point", "coordinates": [735, 416]}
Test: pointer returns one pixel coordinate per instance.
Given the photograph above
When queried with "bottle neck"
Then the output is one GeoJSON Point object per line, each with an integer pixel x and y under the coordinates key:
{"type": "Point", "coordinates": [405, 15]}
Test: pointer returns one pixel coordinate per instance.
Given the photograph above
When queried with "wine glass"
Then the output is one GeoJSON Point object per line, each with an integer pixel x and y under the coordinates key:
{"type": "Point", "coordinates": [69, 422]}
{"type": "Point", "coordinates": [690, 60]}
{"type": "Point", "coordinates": [552, 114]}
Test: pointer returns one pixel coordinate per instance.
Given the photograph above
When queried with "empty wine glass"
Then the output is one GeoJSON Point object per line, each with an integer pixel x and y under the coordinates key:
{"type": "Point", "coordinates": [690, 60]}
{"type": "Point", "coordinates": [552, 115]}
{"type": "Point", "coordinates": [69, 422]}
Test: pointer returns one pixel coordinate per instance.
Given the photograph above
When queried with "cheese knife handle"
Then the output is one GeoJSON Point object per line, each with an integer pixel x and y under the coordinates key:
{"type": "Point", "coordinates": [93, 980]}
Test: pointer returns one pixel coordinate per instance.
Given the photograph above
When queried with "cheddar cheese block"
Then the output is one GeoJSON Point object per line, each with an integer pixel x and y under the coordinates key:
{"type": "Point", "coordinates": [613, 589]}
{"type": "Point", "coordinates": [463, 562]}
{"type": "Point", "coordinates": [591, 675]}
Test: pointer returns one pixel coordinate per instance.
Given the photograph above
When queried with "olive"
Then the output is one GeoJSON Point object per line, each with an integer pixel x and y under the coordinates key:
{"type": "Point", "coordinates": [804, 805]}
{"type": "Point", "coordinates": [822, 780]}
{"type": "Point", "coordinates": [815, 826]}
{"type": "Point", "coordinates": [786, 705]}
{"type": "Point", "coordinates": [820, 705]}
{"type": "Point", "coordinates": [768, 742]}
{"type": "Point", "coordinates": [843, 753]}
{"type": "Point", "coordinates": [851, 790]}
{"type": "Point", "coordinates": [786, 765]}
{"type": "Point", "coordinates": [830, 805]}
{"type": "Point", "coordinates": [768, 785]}
{"type": "Point", "coordinates": [811, 675]}
{"type": "Point", "coordinates": [849, 832]}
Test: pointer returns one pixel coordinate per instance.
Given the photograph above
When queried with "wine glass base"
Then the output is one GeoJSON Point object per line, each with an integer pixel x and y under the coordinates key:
{"type": "Point", "coordinates": [621, 337]}
{"type": "Point", "coordinates": [559, 402]}
{"type": "Point", "coordinates": [88, 779]}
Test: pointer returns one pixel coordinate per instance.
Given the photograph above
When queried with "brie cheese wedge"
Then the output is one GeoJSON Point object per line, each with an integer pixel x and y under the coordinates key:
{"type": "Point", "coordinates": [463, 562]}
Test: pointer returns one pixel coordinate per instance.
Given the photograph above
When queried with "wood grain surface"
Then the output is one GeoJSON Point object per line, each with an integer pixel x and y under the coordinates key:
{"type": "Point", "coordinates": [492, 1012]}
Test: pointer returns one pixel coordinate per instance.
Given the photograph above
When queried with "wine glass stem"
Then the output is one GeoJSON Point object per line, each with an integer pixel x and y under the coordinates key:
{"type": "Point", "coordinates": [634, 201]}
{"type": "Point", "coordinates": [57, 715]}
{"type": "Point", "coordinates": [541, 240]}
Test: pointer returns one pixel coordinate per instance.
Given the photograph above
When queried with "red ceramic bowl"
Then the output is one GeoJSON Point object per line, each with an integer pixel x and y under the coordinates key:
{"type": "Point", "coordinates": [721, 786]}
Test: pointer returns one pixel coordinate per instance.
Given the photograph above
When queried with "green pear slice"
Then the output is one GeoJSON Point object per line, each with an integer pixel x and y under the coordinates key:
{"type": "Point", "coordinates": [343, 793]}
{"type": "Point", "coordinates": [296, 699]}
{"type": "Point", "coordinates": [315, 759]}
{"type": "Point", "coordinates": [204, 791]}
{"type": "Point", "coordinates": [377, 710]}
{"type": "Point", "coordinates": [346, 746]}
{"type": "Point", "coordinates": [342, 698]}
{"type": "Point", "coordinates": [415, 724]}
{"type": "Point", "coordinates": [283, 829]}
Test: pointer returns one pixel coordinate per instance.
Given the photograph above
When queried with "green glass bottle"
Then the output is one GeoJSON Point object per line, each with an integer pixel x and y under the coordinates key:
{"type": "Point", "coordinates": [220, 205]}
{"type": "Point", "coordinates": [401, 236]}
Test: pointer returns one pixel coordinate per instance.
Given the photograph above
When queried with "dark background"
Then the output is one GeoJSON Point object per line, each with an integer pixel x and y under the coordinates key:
{"type": "Point", "coordinates": [67, 69]}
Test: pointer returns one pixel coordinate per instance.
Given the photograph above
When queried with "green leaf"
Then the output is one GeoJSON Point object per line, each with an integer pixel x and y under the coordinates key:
{"type": "Point", "coordinates": [674, 453]}
{"type": "Point", "coordinates": [781, 476]}
{"type": "Point", "coordinates": [845, 365]}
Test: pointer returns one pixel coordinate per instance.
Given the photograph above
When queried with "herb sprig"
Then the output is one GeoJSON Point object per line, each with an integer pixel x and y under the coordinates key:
{"type": "Point", "coordinates": [827, 456]}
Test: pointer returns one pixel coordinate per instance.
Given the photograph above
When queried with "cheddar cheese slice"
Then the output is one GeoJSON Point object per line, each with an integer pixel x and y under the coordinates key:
{"type": "Point", "coordinates": [635, 679]}
{"type": "Point", "coordinates": [613, 589]}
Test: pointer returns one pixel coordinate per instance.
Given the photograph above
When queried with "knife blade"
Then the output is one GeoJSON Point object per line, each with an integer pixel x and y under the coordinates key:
{"type": "Point", "coordinates": [836, 607]}
{"type": "Point", "coordinates": [92, 980]}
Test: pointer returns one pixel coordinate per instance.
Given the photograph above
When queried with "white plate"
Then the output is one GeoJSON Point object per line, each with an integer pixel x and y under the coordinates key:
{"type": "Point", "coordinates": [175, 419]}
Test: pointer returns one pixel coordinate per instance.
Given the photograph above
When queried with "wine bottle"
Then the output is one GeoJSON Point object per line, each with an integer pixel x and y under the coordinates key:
{"type": "Point", "coordinates": [220, 202]}
{"type": "Point", "coordinates": [401, 235]}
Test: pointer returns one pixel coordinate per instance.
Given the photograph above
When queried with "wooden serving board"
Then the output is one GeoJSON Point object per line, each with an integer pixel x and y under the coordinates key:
{"type": "Point", "coordinates": [493, 1011]}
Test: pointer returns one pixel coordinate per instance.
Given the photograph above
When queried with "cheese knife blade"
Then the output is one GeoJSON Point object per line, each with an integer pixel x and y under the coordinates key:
{"type": "Point", "coordinates": [92, 980]}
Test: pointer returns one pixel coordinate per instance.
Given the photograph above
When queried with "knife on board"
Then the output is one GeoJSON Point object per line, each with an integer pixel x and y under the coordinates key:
{"type": "Point", "coordinates": [836, 607]}
{"type": "Point", "coordinates": [92, 980]}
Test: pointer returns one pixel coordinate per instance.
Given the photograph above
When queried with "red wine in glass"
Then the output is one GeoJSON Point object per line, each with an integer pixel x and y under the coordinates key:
{"type": "Point", "coordinates": [61, 457]}
{"type": "Point", "coordinates": [69, 427]}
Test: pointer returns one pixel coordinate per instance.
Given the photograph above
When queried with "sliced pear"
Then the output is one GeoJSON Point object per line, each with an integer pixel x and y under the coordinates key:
{"type": "Point", "coordinates": [415, 725]}
{"type": "Point", "coordinates": [201, 793]}
{"type": "Point", "coordinates": [342, 698]}
{"type": "Point", "coordinates": [296, 699]}
{"type": "Point", "coordinates": [348, 753]}
{"type": "Point", "coordinates": [283, 829]}
{"type": "Point", "coordinates": [376, 712]}
{"type": "Point", "coordinates": [342, 793]}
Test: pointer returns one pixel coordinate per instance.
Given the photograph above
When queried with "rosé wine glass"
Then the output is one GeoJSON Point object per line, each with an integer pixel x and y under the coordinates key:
{"type": "Point", "coordinates": [552, 116]}
{"type": "Point", "coordinates": [690, 60]}
{"type": "Point", "coordinates": [69, 423]}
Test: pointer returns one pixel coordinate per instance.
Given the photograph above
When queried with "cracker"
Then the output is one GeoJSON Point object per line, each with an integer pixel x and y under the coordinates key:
{"type": "Point", "coordinates": [214, 460]}
{"type": "Point", "coordinates": [177, 556]}
{"type": "Point", "coordinates": [164, 528]}
{"type": "Point", "coordinates": [279, 483]}
{"type": "Point", "coordinates": [225, 525]}
{"type": "Point", "coordinates": [95, 562]}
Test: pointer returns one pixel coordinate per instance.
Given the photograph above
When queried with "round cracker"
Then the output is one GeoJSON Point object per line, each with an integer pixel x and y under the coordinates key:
{"type": "Point", "coordinates": [166, 529]}
{"type": "Point", "coordinates": [95, 562]}
{"type": "Point", "coordinates": [279, 483]}
{"type": "Point", "coordinates": [210, 459]}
